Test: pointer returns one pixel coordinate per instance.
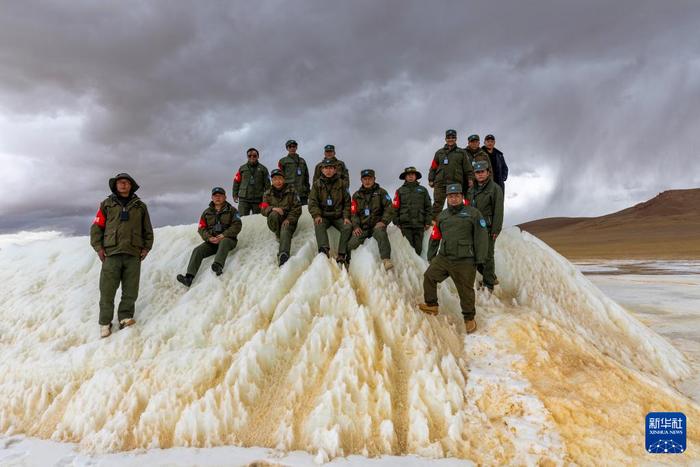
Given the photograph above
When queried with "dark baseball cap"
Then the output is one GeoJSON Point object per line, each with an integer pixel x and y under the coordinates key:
{"type": "Point", "coordinates": [217, 190]}
{"type": "Point", "coordinates": [328, 163]}
{"type": "Point", "coordinates": [490, 136]}
{"type": "Point", "coordinates": [290, 142]}
{"type": "Point", "coordinates": [480, 166]}
{"type": "Point", "coordinates": [367, 173]}
{"type": "Point", "coordinates": [329, 147]}
{"type": "Point", "coordinates": [276, 173]}
{"type": "Point", "coordinates": [473, 138]}
{"type": "Point", "coordinates": [454, 188]}
{"type": "Point", "coordinates": [451, 132]}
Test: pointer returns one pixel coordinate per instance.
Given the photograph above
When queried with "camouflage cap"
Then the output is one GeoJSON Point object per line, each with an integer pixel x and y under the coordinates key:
{"type": "Point", "coordinates": [217, 190]}
{"type": "Point", "coordinates": [328, 163]}
{"type": "Point", "coordinates": [451, 132]}
{"type": "Point", "coordinates": [367, 173]}
{"type": "Point", "coordinates": [410, 170]}
{"type": "Point", "coordinates": [473, 137]}
{"type": "Point", "coordinates": [290, 142]}
{"type": "Point", "coordinates": [329, 147]}
{"type": "Point", "coordinates": [480, 166]}
{"type": "Point", "coordinates": [276, 173]}
{"type": "Point", "coordinates": [454, 188]}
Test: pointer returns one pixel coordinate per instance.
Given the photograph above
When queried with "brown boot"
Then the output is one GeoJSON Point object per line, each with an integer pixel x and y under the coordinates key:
{"type": "Point", "coordinates": [387, 264]}
{"type": "Point", "coordinates": [429, 309]}
{"type": "Point", "coordinates": [470, 324]}
{"type": "Point", "coordinates": [105, 330]}
{"type": "Point", "coordinates": [125, 323]}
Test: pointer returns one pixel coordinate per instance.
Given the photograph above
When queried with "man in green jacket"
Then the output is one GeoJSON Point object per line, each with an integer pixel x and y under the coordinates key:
{"type": "Point", "coordinates": [487, 197]}
{"type": "Point", "coordinates": [122, 236]}
{"type": "Point", "coordinates": [329, 205]}
{"type": "Point", "coordinates": [250, 183]}
{"type": "Point", "coordinates": [219, 227]}
{"type": "Point", "coordinates": [458, 244]}
{"type": "Point", "coordinates": [450, 165]}
{"type": "Point", "coordinates": [342, 170]}
{"type": "Point", "coordinates": [475, 152]}
{"type": "Point", "coordinates": [295, 171]}
{"type": "Point", "coordinates": [412, 208]}
{"type": "Point", "coordinates": [282, 207]}
{"type": "Point", "coordinates": [371, 211]}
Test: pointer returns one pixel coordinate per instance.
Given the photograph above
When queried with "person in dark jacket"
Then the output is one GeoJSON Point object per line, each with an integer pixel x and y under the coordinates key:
{"type": "Point", "coordinates": [250, 183]}
{"type": "Point", "coordinates": [499, 168]}
{"type": "Point", "coordinates": [282, 207]}
{"type": "Point", "coordinates": [219, 227]}
{"type": "Point", "coordinates": [122, 236]}
{"type": "Point", "coordinates": [412, 208]}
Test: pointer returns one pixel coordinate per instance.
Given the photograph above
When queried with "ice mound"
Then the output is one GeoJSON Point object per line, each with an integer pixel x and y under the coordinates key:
{"type": "Point", "coordinates": [312, 357]}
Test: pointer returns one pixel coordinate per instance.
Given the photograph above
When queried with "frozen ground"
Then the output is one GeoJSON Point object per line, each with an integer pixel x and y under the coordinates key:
{"type": "Point", "coordinates": [317, 360]}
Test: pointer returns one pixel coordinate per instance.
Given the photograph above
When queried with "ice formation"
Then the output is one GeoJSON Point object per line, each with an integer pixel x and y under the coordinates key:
{"type": "Point", "coordinates": [333, 362]}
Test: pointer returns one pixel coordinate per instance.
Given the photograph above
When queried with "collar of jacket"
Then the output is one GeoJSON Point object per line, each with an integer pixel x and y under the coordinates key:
{"type": "Point", "coordinates": [455, 209]}
{"type": "Point", "coordinates": [371, 189]}
{"type": "Point", "coordinates": [411, 184]}
{"type": "Point", "coordinates": [329, 180]}
{"type": "Point", "coordinates": [281, 191]}
{"type": "Point", "coordinates": [129, 201]}
{"type": "Point", "coordinates": [255, 166]}
{"type": "Point", "coordinates": [481, 186]}
{"type": "Point", "coordinates": [449, 149]}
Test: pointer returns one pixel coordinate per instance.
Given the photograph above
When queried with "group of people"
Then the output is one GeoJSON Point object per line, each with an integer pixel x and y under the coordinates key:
{"type": "Point", "coordinates": [471, 180]}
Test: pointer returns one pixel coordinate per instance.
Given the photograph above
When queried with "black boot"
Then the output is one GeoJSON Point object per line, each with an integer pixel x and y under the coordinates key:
{"type": "Point", "coordinates": [283, 258]}
{"type": "Point", "coordinates": [217, 268]}
{"type": "Point", "coordinates": [185, 280]}
{"type": "Point", "coordinates": [325, 250]}
{"type": "Point", "coordinates": [343, 260]}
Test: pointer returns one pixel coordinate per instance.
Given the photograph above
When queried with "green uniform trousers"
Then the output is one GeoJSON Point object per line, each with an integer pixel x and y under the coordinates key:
{"type": "Point", "coordinates": [462, 273]}
{"type": "Point", "coordinates": [414, 235]}
{"type": "Point", "coordinates": [488, 269]}
{"type": "Point", "coordinates": [207, 249]}
{"type": "Point", "coordinates": [439, 197]}
{"type": "Point", "coordinates": [246, 207]}
{"type": "Point", "coordinates": [379, 235]}
{"type": "Point", "coordinates": [119, 269]}
{"type": "Point", "coordinates": [283, 233]}
{"type": "Point", "coordinates": [321, 231]}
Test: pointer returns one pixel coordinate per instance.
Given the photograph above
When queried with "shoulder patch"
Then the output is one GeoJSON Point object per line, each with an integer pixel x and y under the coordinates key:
{"type": "Point", "coordinates": [482, 223]}
{"type": "Point", "coordinates": [388, 198]}
{"type": "Point", "coordinates": [238, 216]}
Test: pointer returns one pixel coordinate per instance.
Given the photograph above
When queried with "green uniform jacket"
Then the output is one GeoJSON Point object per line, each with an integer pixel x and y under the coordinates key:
{"type": "Point", "coordinates": [329, 198]}
{"type": "Point", "coordinates": [228, 218]}
{"type": "Point", "coordinates": [342, 172]}
{"type": "Point", "coordinates": [369, 206]}
{"type": "Point", "coordinates": [460, 233]}
{"type": "Point", "coordinates": [451, 166]}
{"type": "Point", "coordinates": [296, 173]}
{"type": "Point", "coordinates": [412, 206]}
{"type": "Point", "coordinates": [117, 236]}
{"type": "Point", "coordinates": [488, 199]}
{"type": "Point", "coordinates": [251, 182]}
{"type": "Point", "coordinates": [287, 198]}
{"type": "Point", "coordinates": [478, 155]}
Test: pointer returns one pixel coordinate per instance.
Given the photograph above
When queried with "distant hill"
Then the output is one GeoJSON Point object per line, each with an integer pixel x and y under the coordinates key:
{"type": "Point", "coordinates": [665, 227]}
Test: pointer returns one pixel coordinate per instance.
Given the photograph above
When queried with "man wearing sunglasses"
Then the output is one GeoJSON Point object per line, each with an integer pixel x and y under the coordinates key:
{"type": "Point", "coordinates": [450, 165]}
{"type": "Point", "coordinates": [250, 183]}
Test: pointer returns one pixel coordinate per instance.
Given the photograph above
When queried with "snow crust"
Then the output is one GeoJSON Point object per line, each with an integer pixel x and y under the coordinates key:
{"type": "Point", "coordinates": [315, 358]}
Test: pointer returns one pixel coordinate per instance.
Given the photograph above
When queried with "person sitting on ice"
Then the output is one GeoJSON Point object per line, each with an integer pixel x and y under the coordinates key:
{"type": "Point", "coordinates": [122, 236]}
{"type": "Point", "coordinates": [219, 227]}
{"type": "Point", "coordinates": [458, 243]}
{"type": "Point", "coordinates": [371, 211]}
{"type": "Point", "coordinates": [282, 207]}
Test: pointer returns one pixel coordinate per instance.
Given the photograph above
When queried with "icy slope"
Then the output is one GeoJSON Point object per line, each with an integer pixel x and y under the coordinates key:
{"type": "Point", "coordinates": [333, 362]}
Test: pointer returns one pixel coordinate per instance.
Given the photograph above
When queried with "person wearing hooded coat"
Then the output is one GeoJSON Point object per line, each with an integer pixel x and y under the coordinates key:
{"type": "Point", "coordinates": [122, 236]}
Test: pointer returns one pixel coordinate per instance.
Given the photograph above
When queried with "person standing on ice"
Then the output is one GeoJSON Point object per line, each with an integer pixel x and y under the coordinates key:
{"type": "Point", "coordinates": [219, 227]}
{"type": "Point", "coordinates": [282, 207]}
{"type": "Point", "coordinates": [249, 184]}
{"type": "Point", "coordinates": [450, 165]}
{"type": "Point", "coordinates": [412, 208]}
{"type": "Point", "coordinates": [122, 236]}
{"type": "Point", "coordinates": [296, 172]}
{"type": "Point", "coordinates": [487, 197]}
{"type": "Point", "coordinates": [371, 211]}
{"type": "Point", "coordinates": [499, 168]}
{"type": "Point", "coordinates": [329, 154]}
{"type": "Point", "coordinates": [458, 244]}
{"type": "Point", "coordinates": [329, 205]}
{"type": "Point", "coordinates": [474, 152]}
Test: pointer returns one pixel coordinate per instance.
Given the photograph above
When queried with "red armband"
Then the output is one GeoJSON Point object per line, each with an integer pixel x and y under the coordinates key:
{"type": "Point", "coordinates": [436, 234]}
{"type": "Point", "coordinates": [397, 200]}
{"type": "Point", "coordinates": [237, 177]}
{"type": "Point", "coordinates": [202, 223]}
{"type": "Point", "coordinates": [353, 207]}
{"type": "Point", "coordinates": [100, 219]}
{"type": "Point", "coordinates": [264, 205]}
{"type": "Point", "coordinates": [434, 165]}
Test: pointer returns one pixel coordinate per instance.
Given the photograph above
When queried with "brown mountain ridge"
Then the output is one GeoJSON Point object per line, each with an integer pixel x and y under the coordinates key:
{"type": "Point", "coordinates": [664, 227]}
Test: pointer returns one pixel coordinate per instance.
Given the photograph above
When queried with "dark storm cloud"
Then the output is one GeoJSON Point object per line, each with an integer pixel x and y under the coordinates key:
{"type": "Point", "coordinates": [174, 92]}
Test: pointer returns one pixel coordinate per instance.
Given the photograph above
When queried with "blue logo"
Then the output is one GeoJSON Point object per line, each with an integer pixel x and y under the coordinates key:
{"type": "Point", "coordinates": [482, 223]}
{"type": "Point", "coordinates": [666, 432]}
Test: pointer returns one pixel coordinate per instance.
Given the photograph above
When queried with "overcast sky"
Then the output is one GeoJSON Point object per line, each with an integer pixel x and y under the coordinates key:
{"type": "Point", "coordinates": [595, 104]}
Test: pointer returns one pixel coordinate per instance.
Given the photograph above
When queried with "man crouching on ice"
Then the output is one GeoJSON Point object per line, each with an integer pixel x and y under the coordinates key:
{"type": "Point", "coordinates": [462, 238]}
{"type": "Point", "coordinates": [122, 236]}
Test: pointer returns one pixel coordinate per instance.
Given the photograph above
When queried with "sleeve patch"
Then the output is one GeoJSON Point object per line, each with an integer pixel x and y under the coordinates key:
{"type": "Point", "coordinates": [482, 222]}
